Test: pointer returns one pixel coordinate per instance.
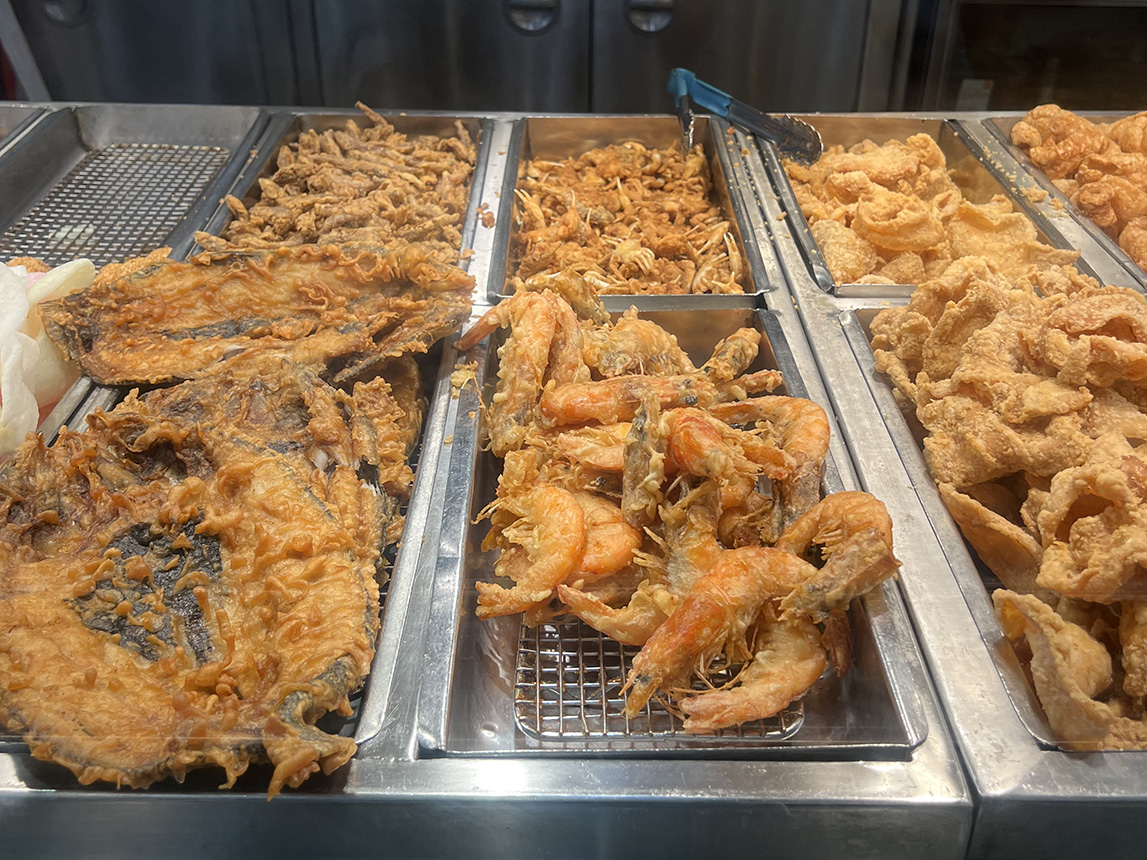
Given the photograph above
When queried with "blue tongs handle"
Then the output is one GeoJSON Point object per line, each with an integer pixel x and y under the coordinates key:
{"type": "Point", "coordinates": [795, 139]}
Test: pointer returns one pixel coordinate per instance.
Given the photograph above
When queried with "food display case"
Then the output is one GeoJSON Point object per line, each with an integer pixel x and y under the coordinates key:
{"type": "Point", "coordinates": [464, 741]}
{"type": "Point", "coordinates": [1033, 797]}
{"type": "Point", "coordinates": [489, 738]}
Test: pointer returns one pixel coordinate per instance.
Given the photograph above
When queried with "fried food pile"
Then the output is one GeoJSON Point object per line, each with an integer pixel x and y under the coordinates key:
{"type": "Point", "coordinates": [893, 214]}
{"type": "Point", "coordinates": [193, 579]}
{"type": "Point", "coordinates": [190, 581]}
{"type": "Point", "coordinates": [627, 219]}
{"type": "Point", "coordinates": [630, 498]}
{"type": "Point", "coordinates": [348, 310]}
{"type": "Point", "coordinates": [1100, 167]}
{"type": "Point", "coordinates": [355, 186]}
{"type": "Point", "coordinates": [1033, 395]}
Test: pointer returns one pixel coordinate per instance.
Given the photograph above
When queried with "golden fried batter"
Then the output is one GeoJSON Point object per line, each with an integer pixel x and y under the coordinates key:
{"type": "Point", "coordinates": [354, 186]}
{"type": "Point", "coordinates": [892, 214]}
{"type": "Point", "coordinates": [1101, 168]}
{"type": "Point", "coordinates": [628, 219]}
{"type": "Point", "coordinates": [177, 593]}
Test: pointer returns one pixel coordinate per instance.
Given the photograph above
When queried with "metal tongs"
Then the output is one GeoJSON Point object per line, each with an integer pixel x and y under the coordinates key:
{"type": "Point", "coordinates": [795, 139]}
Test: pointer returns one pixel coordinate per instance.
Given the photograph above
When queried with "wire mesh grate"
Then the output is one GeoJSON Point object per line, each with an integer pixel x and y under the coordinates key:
{"type": "Point", "coordinates": [118, 202]}
{"type": "Point", "coordinates": [568, 688]}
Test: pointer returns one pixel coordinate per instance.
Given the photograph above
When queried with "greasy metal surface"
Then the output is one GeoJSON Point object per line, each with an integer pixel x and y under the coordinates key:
{"type": "Point", "coordinates": [1045, 204]}
{"type": "Point", "coordinates": [467, 701]}
{"type": "Point", "coordinates": [976, 178]}
{"type": "Point", "coordinates": [118, 202]}
{"type": "Point", "coordinates": [1033, 800]}
{"type": "Point", "coordinates": [558, 138]}
{"type": "Point", "coordinates": [15, 119]}
{"type": "Point", "coordinates": [114, 181]}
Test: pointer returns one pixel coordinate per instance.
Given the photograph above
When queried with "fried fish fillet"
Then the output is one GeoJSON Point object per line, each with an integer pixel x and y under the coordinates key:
{"type": "Point", "coordinates": [190, 581]}
{"type": "Point", "coordinates": [345, 311]}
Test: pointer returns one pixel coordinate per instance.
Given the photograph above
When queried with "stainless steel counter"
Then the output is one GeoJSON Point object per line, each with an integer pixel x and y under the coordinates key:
{"type": "Point", "coordinates": [414, 789]}
{"type": "Point", "coordinates": [1031, 798]}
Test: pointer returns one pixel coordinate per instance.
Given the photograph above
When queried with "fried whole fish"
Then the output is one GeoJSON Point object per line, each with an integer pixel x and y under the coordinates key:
{"type": "Point", "coordinates": [344, 311]}
{"type": "Point", "coordinates": [190, 581]}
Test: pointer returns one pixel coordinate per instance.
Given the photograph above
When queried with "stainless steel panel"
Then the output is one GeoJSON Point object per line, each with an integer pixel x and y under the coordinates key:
{"type": "Point", "coordinates": [568, 137]}
{"type": "Point", "coordinates": [1045, 204]}
{"type": "Point", "coordinates": [1032, 799]}
{"type": "Point", "coordinates": [452, 55]}
{"type": "Point", "coordinates": [211, 51]}
{"type": "Point", "coordinates": [467, 701]}
{"type": "Point", "coordinates": [14, 120]}
{"type": "Point", "coordinates": [778, 56]}
{"type": "Point", "coordinates": [114, 181]}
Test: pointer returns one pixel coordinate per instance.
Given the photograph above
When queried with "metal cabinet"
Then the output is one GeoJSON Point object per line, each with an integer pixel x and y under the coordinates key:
{"type": "Point", "coordinates": [526, 55]}
{"type": "Point", "coordinates": [786, 55]}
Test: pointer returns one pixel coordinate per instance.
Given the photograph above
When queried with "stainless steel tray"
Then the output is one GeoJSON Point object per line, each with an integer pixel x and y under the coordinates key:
{"type": "Point", "coordinates": [15, 119]}
{"type": "Point", "coordinates": [569, 137]}
{"type": "Point", "coordinates": [466, 702]}
{"type": "Point", "coordinates": [84, 398]}
{"type": "Point", "coordinates": [285, 127]}
{"type": "Point", "coordinates": [114, 181]}
{"type": "Point", "coordinates": [1047, 206]}
{"type": "Point", "coordinates": [1032, 799]}
{"type": "Point", "coordinates": [977, 175]}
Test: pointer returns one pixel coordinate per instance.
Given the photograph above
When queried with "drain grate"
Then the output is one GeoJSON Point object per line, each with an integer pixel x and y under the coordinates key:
{"type": "Point", "coordinates": [118, 202]}
{"type": "Point", "coordinates": [568, 688]}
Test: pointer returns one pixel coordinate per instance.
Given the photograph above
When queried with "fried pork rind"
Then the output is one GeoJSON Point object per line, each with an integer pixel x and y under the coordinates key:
{"type": "Point", "coordinates": [901, 199]}
{"type": "Point", "coordinates": [847, 255]}
{"type": "Point", "coordinates": [1094, 525]}
{"type": "Point", "coordinates": [993, 230]}
{"type": "Point", "coordinates": [897, 222]}
{"type": "Point", "coordinates": [1069, 668]}
{"type": "Point", "coordinates": [1097, 339]}
{"type": "Point", "coordinates": [345, 311]}
{"type": "Point", "coordinates": [1010, 551]}
{"type": "Point", "coordinates": [373, 187]}
{"type": "Point", "coordinates": [1057, 140]}
{"type": "Point", "coordinates": [1101, 169]}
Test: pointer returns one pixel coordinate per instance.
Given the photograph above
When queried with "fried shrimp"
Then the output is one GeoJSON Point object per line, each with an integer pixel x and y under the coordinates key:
{"type": "Point", "coordinates": [610, 541]}
{"type": "Point", "coordinates": [523, 360]}
{"type": "Point", "coordinates": [542, 532]}
{"type": "Point", "coordinates": [617, 399]}
{"type": "Point", "coordinates": [629, 499]}
{"type": "Point", "coordinates": [789, 660]}
{"type": "Point", "coordinates": [713, 618]}
{"type": "Point", "coordinates": [854, 533]}
{"type": "Point", "coordinates": [802, 428]}
{"type": "Point", "coordinates": [733, 355]}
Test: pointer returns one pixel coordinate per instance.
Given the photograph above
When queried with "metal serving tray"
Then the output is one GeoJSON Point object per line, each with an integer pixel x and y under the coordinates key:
{"type": "Point", "coordinates": [1032, 798]}
{"type": "Point", "coordinates": [84, 398]}
{"type": "Point", "coordinates": [15, 119]}
{"type": "Point", "coordinates": [568, 137]}
{"type": "Point", "coordinates": [484, 700]}
{"type": "Point", "coordinates": [285, 127]}
{"type": "Point", "coordinates": [975, 174]}
{"type": "Point", "coordinates": [1047, 206]}
{"type": "Point", "coordinates": [114, 181]}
